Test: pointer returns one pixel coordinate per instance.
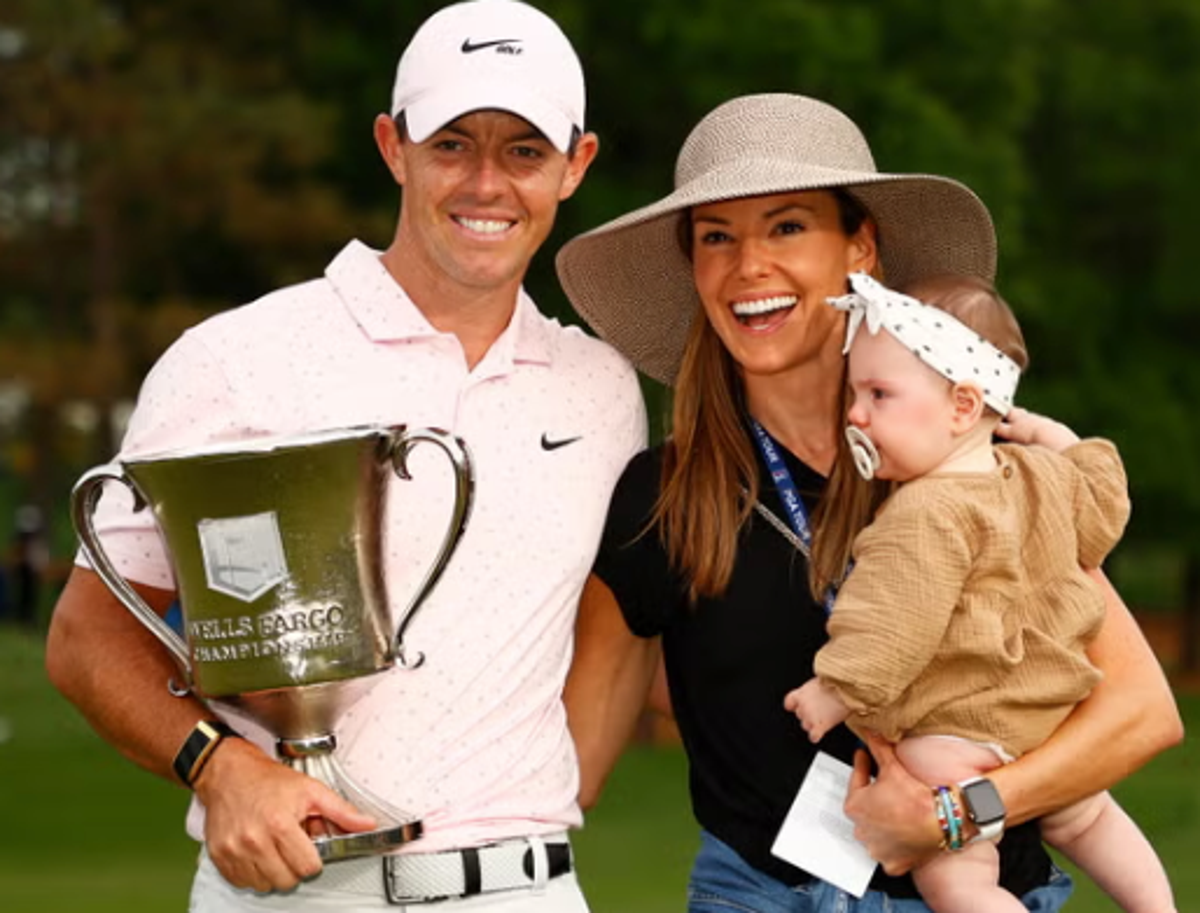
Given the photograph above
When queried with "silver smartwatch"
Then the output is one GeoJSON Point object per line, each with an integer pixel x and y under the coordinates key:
{"type": "Point", "coordinates": [984, 807]}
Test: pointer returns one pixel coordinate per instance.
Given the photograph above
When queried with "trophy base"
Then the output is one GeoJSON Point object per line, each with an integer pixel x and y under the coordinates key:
{"type": "Point", "coordinates": [366, 843]}
{"type": "Point", "coordinates": [314, 757]}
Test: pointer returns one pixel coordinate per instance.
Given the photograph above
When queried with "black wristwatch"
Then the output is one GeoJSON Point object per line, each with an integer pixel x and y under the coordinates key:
{"type": "Point", "coordinates": [984, 807]}
{"type": "Point", "coordinates": [199, 746]}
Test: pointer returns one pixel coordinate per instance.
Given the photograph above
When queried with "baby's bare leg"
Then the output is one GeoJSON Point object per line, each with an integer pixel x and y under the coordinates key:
{"type": "Point", "coordinates": [965, 881]}
{"type": "Point", "coordinates": [1104, 842]}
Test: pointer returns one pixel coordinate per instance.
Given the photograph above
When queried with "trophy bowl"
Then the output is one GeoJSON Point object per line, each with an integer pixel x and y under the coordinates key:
{"type": "Point", "coordinates": [277, 548]}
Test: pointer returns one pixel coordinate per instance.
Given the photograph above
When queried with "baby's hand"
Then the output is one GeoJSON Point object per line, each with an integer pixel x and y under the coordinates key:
{"type": "Point", "coordinates": [817, 706]}
{"type": "Point", "coordinates": [1024, 427]}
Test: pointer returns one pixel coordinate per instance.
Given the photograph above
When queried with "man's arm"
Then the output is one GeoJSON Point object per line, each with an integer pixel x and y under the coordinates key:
{"type": "Point", "coordinates": [606, 689]}
{"type": "Point", "coordinates": [1127, 719]}
{"type": "Point", "coordinates": [115, 672]}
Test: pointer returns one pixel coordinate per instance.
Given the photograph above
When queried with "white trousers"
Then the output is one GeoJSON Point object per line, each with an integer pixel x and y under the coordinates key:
{"type": "Point", "coordinates": [211, 893]}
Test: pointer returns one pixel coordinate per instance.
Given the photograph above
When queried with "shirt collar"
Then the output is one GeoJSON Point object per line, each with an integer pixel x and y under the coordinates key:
{"type": "Point", "coordinates": [386, 314]}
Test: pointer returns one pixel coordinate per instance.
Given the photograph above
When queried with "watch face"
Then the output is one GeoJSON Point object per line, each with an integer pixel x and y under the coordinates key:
{"type": "Point", "coordinates": [983, 802]}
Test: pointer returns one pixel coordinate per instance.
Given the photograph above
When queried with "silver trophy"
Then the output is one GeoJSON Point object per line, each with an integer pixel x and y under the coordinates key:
{"type": "Point", "coordinates": [277, 546]}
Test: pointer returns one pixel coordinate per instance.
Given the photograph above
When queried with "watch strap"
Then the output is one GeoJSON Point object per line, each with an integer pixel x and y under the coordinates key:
{"type": "Point", "coordinates": [993, 831]}
{"type": "Point", "coordinates": [198, 747]}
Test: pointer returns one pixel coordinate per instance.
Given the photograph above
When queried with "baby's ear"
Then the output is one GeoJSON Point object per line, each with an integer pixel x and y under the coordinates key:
{"type": "Point", "coordinates": [968, 406]}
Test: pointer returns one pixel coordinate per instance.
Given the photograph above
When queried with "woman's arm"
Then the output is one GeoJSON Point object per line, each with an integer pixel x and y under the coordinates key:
{"type": "Point", "coordinates": [607, 686]}
{"type": "Point", "coordinates": [1127, 719]}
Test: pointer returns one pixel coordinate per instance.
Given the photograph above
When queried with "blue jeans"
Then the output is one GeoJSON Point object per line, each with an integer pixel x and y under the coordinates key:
{"type": "Point", "coordinates": [722, 881]}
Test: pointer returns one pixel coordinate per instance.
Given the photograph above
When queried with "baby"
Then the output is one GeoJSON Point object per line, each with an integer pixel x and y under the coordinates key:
{"type": "Point", "coordinates": [961, 628]}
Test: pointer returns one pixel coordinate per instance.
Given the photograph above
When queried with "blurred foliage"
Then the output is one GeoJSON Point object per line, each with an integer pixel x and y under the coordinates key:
{"type": "Point", "coordinates": [161, 161]}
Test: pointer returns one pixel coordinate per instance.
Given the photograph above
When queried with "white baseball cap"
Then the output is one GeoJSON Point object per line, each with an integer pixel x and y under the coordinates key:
{"type": "Point", "coordinates": [490, 54]}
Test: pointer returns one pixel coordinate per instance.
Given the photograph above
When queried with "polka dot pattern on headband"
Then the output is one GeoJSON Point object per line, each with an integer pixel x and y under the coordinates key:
{"type": "Point", "coordinates": [945, 344]}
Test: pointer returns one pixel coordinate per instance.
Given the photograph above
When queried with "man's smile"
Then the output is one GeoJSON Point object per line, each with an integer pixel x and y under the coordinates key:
{"type": "Point", "coordinates": [484, 226]}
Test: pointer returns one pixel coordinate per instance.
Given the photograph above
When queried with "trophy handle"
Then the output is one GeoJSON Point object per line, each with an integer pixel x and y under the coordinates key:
{"type": "Point", "coordinates": [84, 497]}
{"type": "Point", "coordinates": [464, 492]}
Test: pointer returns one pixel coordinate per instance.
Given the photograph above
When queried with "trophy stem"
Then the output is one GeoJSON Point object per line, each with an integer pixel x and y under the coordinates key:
{"type": "Point", "coordinates": [314, 756]}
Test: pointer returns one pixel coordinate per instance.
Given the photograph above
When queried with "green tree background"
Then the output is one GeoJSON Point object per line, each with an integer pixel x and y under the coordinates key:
{"type": "Point", "coordinates": [160, 162]}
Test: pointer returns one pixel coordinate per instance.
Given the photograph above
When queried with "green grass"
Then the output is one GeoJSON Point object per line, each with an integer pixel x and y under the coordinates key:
{"type": "Point", "coordinates": [80, 827]}
{"type": "Point", "coordinates": [1164, 798]}
{"type": "Point", "coordinates": [636, 847]}
{"type": "Point", "coordinates": [84, 831]}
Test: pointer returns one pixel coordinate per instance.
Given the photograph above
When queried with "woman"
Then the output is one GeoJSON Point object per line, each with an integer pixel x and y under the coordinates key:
{"type": "Point", "coordinates": [719, 290]}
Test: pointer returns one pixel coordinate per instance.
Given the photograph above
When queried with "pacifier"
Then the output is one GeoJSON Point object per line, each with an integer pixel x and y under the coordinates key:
{"type": "Point", "coordinates": [866, 457]}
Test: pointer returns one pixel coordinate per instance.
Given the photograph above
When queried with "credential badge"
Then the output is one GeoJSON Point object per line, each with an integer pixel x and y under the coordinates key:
{"type": "Point", "coordinates": [243, 556]}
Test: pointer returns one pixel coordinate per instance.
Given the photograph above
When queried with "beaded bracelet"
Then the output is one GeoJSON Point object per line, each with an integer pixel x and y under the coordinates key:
{"type": "Point", "coordinates": [942, 821]}
{"type": "Point", "coordinates": [950, 818]}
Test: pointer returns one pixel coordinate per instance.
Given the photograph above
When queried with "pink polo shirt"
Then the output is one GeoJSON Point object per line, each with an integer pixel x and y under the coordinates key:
{"type": "Point", "coordinates": [475, 740]}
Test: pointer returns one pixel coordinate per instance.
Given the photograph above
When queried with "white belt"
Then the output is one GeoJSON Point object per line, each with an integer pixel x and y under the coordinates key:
{"type": "Point", "coordinates": [524, 863]}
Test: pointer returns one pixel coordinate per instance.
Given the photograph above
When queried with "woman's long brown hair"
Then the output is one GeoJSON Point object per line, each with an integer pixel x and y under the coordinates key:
{"type": "Point", "coordinates": [710, 473]}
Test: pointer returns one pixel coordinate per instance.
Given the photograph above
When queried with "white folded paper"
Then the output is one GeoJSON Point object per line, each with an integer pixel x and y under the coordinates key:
{"type": "Point", "coordinates": [816, 834]}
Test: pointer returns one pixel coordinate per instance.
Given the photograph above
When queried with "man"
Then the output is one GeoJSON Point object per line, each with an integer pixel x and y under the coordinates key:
{"type": "Point", "coordinates": [485, 138]}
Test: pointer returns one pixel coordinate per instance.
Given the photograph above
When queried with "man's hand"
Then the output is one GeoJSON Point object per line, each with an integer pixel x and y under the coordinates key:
{"type": "Point", "coordinates": [817, 706]}
{"type": "Point", "coordinates": [893, 817]}
{"type": "Point", "coordinates": [256, 814]}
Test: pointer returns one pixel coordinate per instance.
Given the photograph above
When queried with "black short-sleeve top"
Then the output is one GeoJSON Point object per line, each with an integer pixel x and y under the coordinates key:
{"type": "Point", "coordinates": [731, 660]}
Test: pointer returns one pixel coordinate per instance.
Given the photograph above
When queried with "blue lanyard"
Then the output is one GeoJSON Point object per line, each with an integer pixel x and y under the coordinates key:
{"type": "Point", "coordinates": [785, 485]}
{"type": "Point", "coordinates": [790, 495]}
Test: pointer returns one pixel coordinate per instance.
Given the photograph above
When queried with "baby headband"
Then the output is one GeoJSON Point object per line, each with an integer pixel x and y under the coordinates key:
{"type": "Point", "coordinates": [948, 346]}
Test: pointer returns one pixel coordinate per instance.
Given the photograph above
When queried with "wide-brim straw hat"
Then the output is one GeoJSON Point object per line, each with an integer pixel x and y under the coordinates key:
{"type": "Point", "coordinates": [632, 283]}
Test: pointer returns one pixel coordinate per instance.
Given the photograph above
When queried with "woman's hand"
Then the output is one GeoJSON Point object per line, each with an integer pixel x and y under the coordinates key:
{"type": "Point", "coordinates": [893, 816]}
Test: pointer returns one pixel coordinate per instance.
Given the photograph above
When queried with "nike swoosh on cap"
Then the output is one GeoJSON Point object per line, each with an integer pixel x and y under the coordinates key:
{"type": "Point", "coordinates": [548, 444]}
{"type": "Point", "coordinates": [468, 48]}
